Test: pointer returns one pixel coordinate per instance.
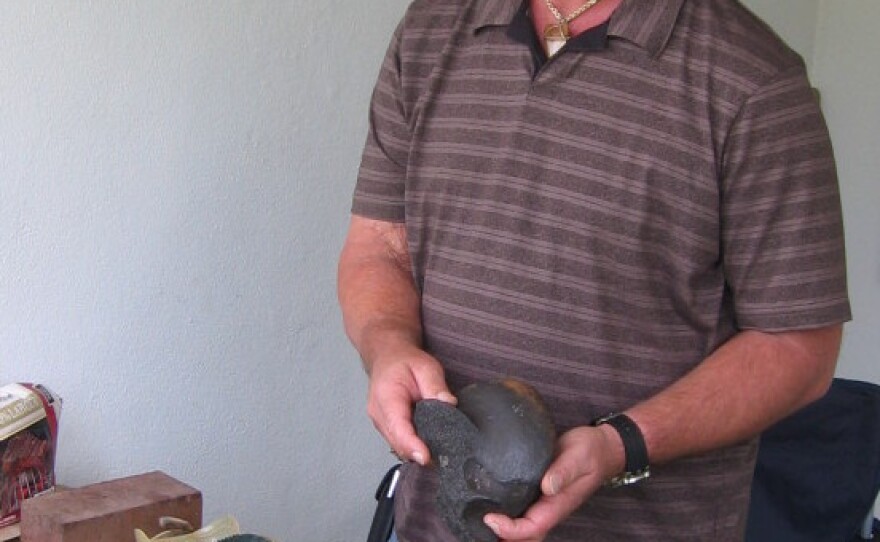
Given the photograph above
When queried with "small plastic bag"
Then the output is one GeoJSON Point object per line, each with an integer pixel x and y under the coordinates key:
{"type": "Point", "coordinates": [181, 531]}
{"type": "Point", "coordinates": [225, 529]}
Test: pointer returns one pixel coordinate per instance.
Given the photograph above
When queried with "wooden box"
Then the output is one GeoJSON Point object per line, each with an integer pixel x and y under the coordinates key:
{"type": "Point", "coordinates": [110, 511]}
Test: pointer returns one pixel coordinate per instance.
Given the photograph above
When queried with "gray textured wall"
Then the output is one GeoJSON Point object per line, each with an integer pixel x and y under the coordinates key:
{"type": "Point", "coordinates": [175, 180]}
{"type": "Point", "coordinates": [846, 36]}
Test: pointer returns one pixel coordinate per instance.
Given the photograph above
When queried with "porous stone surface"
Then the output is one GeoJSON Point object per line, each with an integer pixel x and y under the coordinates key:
{"type": "Point", "coordinates": [491, 453]}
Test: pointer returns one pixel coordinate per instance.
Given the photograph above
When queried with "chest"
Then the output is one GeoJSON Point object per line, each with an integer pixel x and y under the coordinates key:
{"type": "Point", "coordinates": [612, 129]}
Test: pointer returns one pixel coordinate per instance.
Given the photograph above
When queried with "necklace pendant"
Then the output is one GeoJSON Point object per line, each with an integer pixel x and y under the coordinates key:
{"type": "Point", "coordinates": [555, 36]}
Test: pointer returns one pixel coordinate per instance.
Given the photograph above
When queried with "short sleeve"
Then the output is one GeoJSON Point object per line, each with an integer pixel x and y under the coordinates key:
{"type": "Point", "coordinates": [782, 229]}
{"type": "Point", "coordinates": [380, 190]}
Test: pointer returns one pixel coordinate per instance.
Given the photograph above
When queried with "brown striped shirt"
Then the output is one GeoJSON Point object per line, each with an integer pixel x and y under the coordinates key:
{"type": "Point", "coordinates": [597, 224]}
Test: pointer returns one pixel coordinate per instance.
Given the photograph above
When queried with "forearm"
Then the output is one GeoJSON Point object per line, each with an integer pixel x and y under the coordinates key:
{"type": "Point", "coordinates": [752, 381]}
{"type": "Point", "coordinates": [380, 308]}
{"type": "Point", "coordinates": [380, 305]}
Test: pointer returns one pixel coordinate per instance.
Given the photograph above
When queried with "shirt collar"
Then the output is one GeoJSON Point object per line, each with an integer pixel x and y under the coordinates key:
{"type": "Point", "coordinates": [647, 23]}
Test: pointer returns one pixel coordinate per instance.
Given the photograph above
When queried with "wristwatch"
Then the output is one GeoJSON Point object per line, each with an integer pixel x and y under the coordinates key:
{"type": "Point", "coordinates": [636, 467]}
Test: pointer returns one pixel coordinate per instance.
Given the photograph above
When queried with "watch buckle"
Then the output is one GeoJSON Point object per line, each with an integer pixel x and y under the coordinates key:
{"type": "Point", "coordinates": [628, 478]}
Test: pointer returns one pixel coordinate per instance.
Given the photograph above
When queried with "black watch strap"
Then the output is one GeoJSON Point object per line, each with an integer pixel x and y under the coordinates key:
{"type": "Point", "coordinates": [635, 450]}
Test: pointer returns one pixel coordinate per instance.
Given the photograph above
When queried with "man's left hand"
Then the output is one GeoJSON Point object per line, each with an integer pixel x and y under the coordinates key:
{"type": "Point", "coordinates": [587, 457]}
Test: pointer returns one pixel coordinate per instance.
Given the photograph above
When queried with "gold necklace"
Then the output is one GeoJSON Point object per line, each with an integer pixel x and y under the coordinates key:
{"type": "Point", "coordinates": [555, 35]}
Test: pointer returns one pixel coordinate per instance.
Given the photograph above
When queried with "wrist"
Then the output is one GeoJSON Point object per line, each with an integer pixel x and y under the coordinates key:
{"type": "Point", "coordinates": [615, 454]}
{"type": "Point", "coordinates": [386, 339]}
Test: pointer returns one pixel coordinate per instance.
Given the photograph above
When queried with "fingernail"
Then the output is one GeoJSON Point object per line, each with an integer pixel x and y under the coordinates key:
{"type": "Point", "coordinates": [419, 458]}
{"type": "Point", "coordinates": [555, 484]}
{"type": "Point", "coordinates": [492, 524]}
{"type": "Point", "coordinates": [445, 396]}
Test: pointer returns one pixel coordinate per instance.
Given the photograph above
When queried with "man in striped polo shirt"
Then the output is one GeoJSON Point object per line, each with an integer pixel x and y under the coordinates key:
{"type": "Point", "coordinates": [633, 206]}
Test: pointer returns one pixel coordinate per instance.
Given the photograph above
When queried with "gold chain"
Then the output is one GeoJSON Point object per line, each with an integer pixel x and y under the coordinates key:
{"type": "Point", "coordinates": [571, 16]}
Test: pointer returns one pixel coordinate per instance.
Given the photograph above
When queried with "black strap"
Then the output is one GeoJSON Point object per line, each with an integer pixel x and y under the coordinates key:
{"type": "Point", "coordinates": [634, 447]}
{"type": "Point", "coordinates": [383, 519]}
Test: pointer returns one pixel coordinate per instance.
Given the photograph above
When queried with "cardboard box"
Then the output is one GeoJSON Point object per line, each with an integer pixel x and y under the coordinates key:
{"type": "Point", "coordinates": [28, 440]}
{"type": "Point", "coordinates": [110, 511]}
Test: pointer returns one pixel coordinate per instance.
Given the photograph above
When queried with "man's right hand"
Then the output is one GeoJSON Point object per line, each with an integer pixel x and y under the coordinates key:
{"type": "Point", "coordinates": [381, 311]}
{"type": "Point", "coordinates": [402, 377]}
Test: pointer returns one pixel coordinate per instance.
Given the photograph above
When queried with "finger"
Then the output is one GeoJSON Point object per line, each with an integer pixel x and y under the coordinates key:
{"type": "Point", "coordinates": [404, 441]}
{"type": "Point", "coordinates": [392, 415]}
{"type": "Point", "coordinates": [509, 529]}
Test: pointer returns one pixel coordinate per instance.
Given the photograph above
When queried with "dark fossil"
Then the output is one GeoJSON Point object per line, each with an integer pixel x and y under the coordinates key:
{"type": "Point", "coordinates": [491, 452]}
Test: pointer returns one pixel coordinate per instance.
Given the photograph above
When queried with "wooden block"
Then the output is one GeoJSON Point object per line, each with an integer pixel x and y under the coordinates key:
{"type": "Point", "coordinates": [12, 532]}
{"type": "Point", "coordinates": [110, 511]}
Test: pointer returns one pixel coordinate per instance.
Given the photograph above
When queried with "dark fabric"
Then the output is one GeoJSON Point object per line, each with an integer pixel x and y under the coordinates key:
{"type": "Point", "coordinates": [818, 472]}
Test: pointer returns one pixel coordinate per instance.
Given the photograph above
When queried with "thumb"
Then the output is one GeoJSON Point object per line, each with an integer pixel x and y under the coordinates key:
{"type": "Point", "coordinates": [432, 382]}
{"type": "Point", "coordinates": [574, 460]}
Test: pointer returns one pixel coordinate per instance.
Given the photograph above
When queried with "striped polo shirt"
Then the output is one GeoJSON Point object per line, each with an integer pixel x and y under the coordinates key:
{"type": "Point", "coordinates": [597, 223]}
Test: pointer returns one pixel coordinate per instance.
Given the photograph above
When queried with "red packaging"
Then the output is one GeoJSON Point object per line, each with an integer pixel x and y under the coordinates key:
{"type": "Point", "coordinates": [28, 438]}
